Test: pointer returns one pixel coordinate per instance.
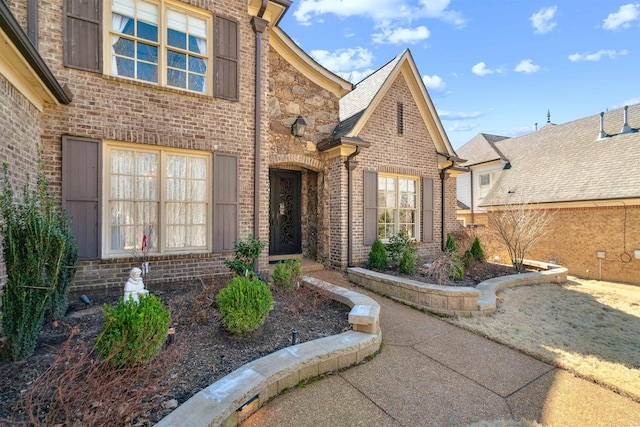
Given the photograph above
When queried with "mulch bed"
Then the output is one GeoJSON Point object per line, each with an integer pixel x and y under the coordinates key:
{"type": "Point", "coordinates": [201, 353]}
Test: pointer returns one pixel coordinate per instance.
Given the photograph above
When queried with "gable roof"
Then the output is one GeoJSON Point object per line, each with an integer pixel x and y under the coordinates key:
{"type": "Point", "coordinates": [570, 163]}
{"type": "Point", "coordinates": [481, 149]}
{"type": "Point", "coordinates": [357, 106]}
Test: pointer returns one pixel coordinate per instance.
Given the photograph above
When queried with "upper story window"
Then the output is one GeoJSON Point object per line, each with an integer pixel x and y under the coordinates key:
{"type": "Point", "coordinates": [397, 205]}
{"type": "Point", "coordinates": [159, 44]}
{"type": "Point", "coordinates": [486, 182]}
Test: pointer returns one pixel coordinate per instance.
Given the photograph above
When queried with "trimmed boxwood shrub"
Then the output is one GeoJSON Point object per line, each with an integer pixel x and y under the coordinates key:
{"type": "Point", "coordinates": [244, 304]}
{"type": "Point", "coordinates": [407, 264]}
{"type": "Point", "coordinates": [133, 333]}
{"type": "Point", "coordinates": [378, 256]}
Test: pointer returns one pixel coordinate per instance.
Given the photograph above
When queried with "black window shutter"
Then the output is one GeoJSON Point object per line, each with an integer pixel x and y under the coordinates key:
{"type": "Point", "coordinates": [370, 207]}
{"type": "Point", "coordinates": [427, 209]}
{"type": "Point", "coordinates": [225, 202]}
{"type": "Point", "coordinates": [83, 34]}
{"type": "Point", "coordinates": [81, 192]}
{"type": "Point", "coordinates": [226, 58]}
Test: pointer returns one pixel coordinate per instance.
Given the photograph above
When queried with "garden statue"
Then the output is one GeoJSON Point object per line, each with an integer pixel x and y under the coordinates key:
{"type": "Point", "coordinates": [134, 287]}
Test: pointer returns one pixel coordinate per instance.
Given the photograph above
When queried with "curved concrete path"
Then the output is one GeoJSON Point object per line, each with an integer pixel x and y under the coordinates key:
{"type": "Point", "coordinates": [430, 373]}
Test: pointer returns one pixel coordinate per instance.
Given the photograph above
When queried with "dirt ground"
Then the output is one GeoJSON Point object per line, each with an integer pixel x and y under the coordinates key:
{"type": "Point", "coordinates": [202, 352]}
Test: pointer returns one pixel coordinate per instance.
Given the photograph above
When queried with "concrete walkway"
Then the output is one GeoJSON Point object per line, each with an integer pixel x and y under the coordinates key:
{"type": "Point", "coordinates": [430, 373]}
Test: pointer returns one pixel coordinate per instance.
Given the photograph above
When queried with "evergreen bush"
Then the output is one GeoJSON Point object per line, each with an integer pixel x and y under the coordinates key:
{"type": "Point", "coordinates": [455, 268]}
{"type": "Point", "coordinates": [133, 332]}
{"type": "Point", "coordinates": [407, 264]}
{"type": "Point", "coordinates": [476, 250]}
{"type": "Point", "coordinates": [399, 244]}
{"type": "Point", "coordinates": [244, 304]}
{"type": "Point", "coordinates": [246, 254]}
{"type": "Point", "coordinates": [378, 256]}
{"type": "Point", "coordinates": [451, 246]}
{"type": "Point", "coordinates": [60, 296]}
{"type": "Point", "coordinates": [36, 247]}
{"type": "Point", "coordinates": [287, 274]}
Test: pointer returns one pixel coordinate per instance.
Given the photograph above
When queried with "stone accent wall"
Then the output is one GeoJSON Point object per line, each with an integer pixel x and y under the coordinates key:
{"type": "Point", "coordinates": [412, 153]}
{"type": "Point", "coordinates": [291, 94]}
{"type": "Point", "coordinates": [113, 108]}
{"type": "Point", "coordinates": [20, 124]}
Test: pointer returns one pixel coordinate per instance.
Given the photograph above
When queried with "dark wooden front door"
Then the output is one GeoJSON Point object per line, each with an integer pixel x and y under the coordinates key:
{"type": "Point", "coordinates": [285, 212]}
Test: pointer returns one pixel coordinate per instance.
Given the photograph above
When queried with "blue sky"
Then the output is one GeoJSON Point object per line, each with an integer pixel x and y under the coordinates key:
{"type": "Point", "coordinates": [490, 66]}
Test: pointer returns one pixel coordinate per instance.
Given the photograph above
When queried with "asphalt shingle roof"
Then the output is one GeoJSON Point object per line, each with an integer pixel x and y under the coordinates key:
{"type": "Point", "coordinates": [480, 149]}
{"type": "Point", "coordinates": [567, 162]}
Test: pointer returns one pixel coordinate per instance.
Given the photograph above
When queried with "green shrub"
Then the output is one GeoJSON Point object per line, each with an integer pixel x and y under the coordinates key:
{"type": "Point", "coordinates": [407, 264]}
{"type": "Point", "coordinates": [476, 250]}
{"type": "Point", "coordinates": [399, 244]}
{"type": "Point", "coordinates": [378, 256]}
{"type": "Point", "coordinates": [451, 246]}
{"type": "Point", "coordinates": [246, 254]}
{"type": "Point", "coordinates": [133, 333]}
{"type": "Point", "coordinates": [244, 304]}
{"type": "Point", "coordinates": [60, 296]}
{"type": "Point", "coordinates": [35, 243]}
{"type": "Point", "coordinates": [287, 274]}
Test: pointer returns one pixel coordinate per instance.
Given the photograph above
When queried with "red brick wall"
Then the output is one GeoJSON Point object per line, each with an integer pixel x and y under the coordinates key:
{"type": "Point", "coordinates": [113, 108]}
{"type": "Point", "coordinates": [20, 126]}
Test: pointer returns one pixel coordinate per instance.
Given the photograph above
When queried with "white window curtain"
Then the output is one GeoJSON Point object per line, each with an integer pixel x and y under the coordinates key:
{"type": "Point", "coordinates": [118, 24]}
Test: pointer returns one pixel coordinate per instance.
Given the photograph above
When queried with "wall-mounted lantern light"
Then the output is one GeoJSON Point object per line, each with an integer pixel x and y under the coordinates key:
{"type": "Point", "coordinates": [298, 127]}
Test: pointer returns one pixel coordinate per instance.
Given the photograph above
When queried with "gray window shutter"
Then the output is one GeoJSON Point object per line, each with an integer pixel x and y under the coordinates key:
{"type": "Point", "coordinates": [83, 34]}
{"type": "Point", "coordinates": [370, 207]}
{"type": "Point", "coordinates": [226, 58]}
{"type": "Point", "coordinates": [81, 192]}
{"type": "Point", "coordinates": [427, 209]}
{"type": "Point", "coordinates": [225, 202]}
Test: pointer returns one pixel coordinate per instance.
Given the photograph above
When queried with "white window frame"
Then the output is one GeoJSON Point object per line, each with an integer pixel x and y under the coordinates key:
{"type": "Point", "coordinates": [163, 47]}
{"type": "Point", "coordinates": [416, 209]}
{"type": "Point", "coordinates": [493, 176]}
{"type": "Point", "coordinates": [161, 227]}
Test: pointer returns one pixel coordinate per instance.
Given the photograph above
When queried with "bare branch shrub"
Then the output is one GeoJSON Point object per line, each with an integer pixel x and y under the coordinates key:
{"type": "Point", "coordinates": [80, 389]}
{"type": "Point", "coordinates": [204, 303]}
{"type": "Point", "coordinates": [443, 268]}
{"type": "Point", "coordinates": [519, 226]}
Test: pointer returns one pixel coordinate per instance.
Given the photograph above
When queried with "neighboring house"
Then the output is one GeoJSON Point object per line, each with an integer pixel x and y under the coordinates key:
{"type": "Point", "coordinates": [180, 133]}
{"type": "Point", "coordinates": [587, 171]}
{"type": "Point", "coordinates": [483, 161]}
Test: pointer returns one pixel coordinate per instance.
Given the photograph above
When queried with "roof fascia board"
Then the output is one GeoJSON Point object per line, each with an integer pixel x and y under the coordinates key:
{"type": "Point", "coordinates": [274, 11]}
{"type": "Point", "coordinates": [407, 67]}
{"type": "Point", "coordinates": [18, 52]}
{"type": "Point", "coordinates": [301, 61]}
{"type": "Point", "coordinates": [597, 203]}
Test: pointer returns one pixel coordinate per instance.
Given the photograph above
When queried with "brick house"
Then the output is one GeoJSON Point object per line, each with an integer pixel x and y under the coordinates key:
{"type": "Point", "coordinates": [587, 172]}
{"type": "Point", "coordinates": [180, 133]}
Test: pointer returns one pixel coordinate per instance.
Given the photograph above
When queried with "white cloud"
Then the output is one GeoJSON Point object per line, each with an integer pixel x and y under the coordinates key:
{"type": "Point", "coordinates": [434, 82]}
{"type": "Point", "coordinates": [343, 60]}
{"type": "Point", "coordinates": [527, 66]}
{"type": "Point", "coordinates": [401, 35]}
{"type": "Point", "coordinates": [623, 17]}
{"type": "Point", "coordinates": [451, 115]}
{"type": "Point", "coordinates": [542, 20]}
{"type": "Point", "coordinates": [597, 56]}
{"type": "Point", "coordinates": [356, 76]}
{"type": "Point", "coordinates": [480, 69]}
{"type": "Point", "coordinates": [379, 10]}
{"type": "Point", "coordinates": [462, 127]}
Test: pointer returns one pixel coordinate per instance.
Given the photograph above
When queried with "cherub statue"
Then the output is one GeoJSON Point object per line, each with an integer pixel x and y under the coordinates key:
{"type": "Point", "coordinates": [134, 287]}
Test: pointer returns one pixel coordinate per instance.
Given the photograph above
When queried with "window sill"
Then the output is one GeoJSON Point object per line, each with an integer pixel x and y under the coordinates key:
{"type": "Point", "coordinates": [157, 87]}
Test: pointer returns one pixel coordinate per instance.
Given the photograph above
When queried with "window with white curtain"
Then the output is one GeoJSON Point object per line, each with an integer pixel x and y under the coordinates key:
{"type": "Point", "coordinates": [397, 205]}
{"type": "Point", "coordinates": [158, 196]}
{"type": "Point", "coordinates": [160, 42]}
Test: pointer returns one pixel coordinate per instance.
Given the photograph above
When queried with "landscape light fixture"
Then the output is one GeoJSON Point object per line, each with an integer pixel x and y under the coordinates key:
{"type": "Point", "coordinates": [298, 127]}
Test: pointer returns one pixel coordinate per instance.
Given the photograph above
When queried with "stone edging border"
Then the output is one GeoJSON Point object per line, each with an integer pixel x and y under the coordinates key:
{"type": "Point", "coordinates": [234, 397]}
{"type": "Point", "coordinates": [454, 300]}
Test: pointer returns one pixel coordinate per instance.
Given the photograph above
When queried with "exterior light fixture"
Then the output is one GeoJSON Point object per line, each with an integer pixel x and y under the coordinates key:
{"type": "Point", "coordinates": [298, 127]}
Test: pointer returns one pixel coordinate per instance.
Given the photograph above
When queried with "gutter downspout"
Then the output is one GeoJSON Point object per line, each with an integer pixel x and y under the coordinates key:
{"type": "Point", "coordinates": [442, 204]}
{"type": "Point", "coordinates": [350, 164]}
{"type": "Point", "coordinates": [259, 25]}
{"type": "Point", "coordinates": [473, 210]}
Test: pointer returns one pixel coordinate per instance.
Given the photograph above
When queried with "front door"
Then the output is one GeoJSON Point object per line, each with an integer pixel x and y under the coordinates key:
{"type": "Point", "coordinates": [285, 217]}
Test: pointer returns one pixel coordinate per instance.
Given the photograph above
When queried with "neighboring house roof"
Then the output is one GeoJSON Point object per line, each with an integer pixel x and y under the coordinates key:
{"type": "Point", "coordinates": [481, 149]}
{"type": "Point", "coordinates": [570, 163]}
{"type": "Point", "coordinates": [357, 106]}
{"type": "Point", "coordinates": [462, 206]}
{"type": "Point", "coordinates": [301, 61]}
{"type": "Point", "coordinates": [18, 54]}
